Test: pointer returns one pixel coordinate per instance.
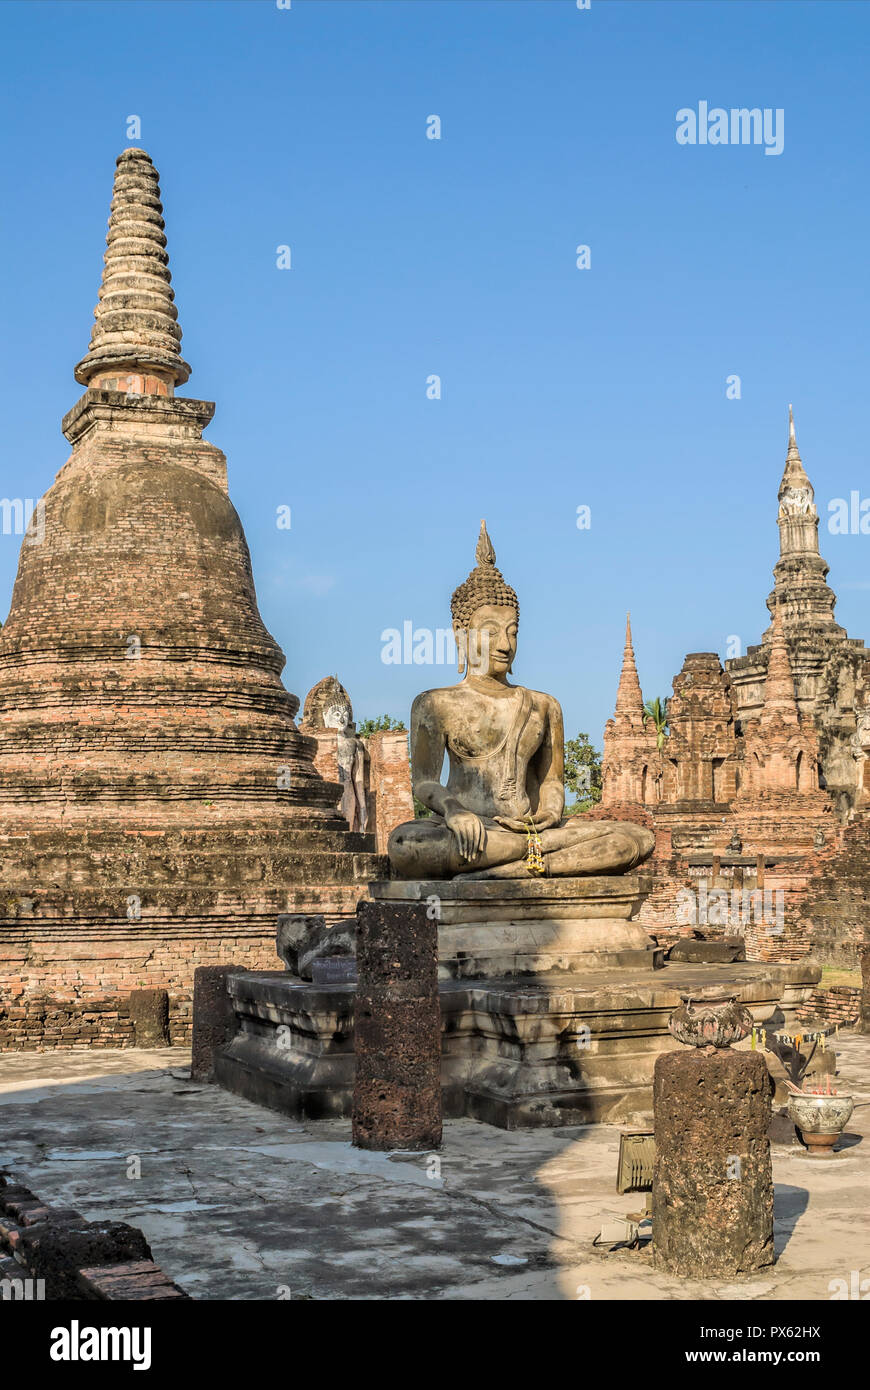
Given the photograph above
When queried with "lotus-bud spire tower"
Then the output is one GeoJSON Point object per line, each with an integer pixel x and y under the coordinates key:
{"type": "Point", "coordinates": [629, 697]}
{"type": "Point", "coordinates": [805, 660]}
{"type": "Point", "coordinates": [800, 586]}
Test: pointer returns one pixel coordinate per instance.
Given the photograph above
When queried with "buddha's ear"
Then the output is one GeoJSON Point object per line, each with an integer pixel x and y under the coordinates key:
{"type": "Point", "coordinates": [460, 634]}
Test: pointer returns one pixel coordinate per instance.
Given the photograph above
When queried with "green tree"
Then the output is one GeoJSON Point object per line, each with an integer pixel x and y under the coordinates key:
{"type": "Point", "coordinates": [384, 724]}
{"type": "Point", "coordinates": [657, 711]}
{"type": "Point", "coordinates": [582, 774]}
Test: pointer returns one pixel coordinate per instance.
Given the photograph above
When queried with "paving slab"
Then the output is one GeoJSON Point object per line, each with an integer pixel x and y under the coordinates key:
{"type": "Point", "coordinates": [238, 1202]}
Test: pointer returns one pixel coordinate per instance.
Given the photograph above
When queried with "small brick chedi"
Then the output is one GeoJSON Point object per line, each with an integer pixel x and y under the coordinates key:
{"type": "Point", "coordinates": [158, 805]}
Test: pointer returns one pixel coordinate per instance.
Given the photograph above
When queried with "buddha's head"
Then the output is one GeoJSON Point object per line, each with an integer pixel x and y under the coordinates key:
{"type": "Point", "coordinates": [337, 716]}
{"type": "Point", "coordinates": [486, 615]}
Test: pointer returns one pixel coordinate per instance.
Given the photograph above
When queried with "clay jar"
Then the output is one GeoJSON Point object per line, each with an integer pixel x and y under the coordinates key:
{"type": "Point", "coordinates": [710, 1017]}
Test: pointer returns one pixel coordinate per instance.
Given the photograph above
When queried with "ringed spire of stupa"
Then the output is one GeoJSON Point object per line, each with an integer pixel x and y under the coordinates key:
{"type": "Point", "coordinates": [136, 338]}
{"type": "Point", "coordinates": [629, 697]}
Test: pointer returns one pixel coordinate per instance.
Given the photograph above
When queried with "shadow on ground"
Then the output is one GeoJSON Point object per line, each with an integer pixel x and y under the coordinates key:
{"type": "Point", "coordinates": [238, 1202]}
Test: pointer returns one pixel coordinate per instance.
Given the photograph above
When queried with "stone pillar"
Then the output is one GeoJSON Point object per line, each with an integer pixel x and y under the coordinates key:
{"type": "Point", "coordinates": [864, 1019]}
{"type": "Point", "coordinates": [397, 1028]}
{"type": "Point", "coordinates": [712, 1196]}
{"type": "Point", "coordinates": [214, 1020]}
{"type": "Point", "coordinates": [149, 1014]}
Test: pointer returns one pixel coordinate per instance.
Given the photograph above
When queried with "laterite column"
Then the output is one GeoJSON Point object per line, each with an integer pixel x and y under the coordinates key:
{"type": "Point", "coordinates": [712, 1197]}
{"type": "Point", "coordinates": [397, 1029]}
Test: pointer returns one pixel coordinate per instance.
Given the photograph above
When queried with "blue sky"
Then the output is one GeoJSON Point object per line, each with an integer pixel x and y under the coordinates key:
{"type": "Point", "coordinates": [561, 387]}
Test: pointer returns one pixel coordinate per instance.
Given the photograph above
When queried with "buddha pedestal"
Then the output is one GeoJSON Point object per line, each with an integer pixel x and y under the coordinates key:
{"type": "Point", "coordinates": [551, 1049]}
{"type": "Point", "coordinates": [519, 929]}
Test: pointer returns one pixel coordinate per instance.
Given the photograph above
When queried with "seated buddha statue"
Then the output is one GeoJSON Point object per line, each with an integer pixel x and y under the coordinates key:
{"type": "Point", "coordinates": [501, 812]}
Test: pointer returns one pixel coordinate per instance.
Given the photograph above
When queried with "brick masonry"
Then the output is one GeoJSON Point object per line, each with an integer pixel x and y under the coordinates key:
{"type": "Point", "coordinates": [159, 806]}
{"type": "Point", "coordinates": [838, 1004]}
{"type": "Point", "coordinates": [64, 1257]}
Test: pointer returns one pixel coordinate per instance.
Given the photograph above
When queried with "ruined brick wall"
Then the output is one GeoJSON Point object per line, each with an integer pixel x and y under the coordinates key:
{"type": "Point", "coordinates": [776, 927]}
{"type": "Point", "coordinates": [784, 939]}
{"type": "Point", "coordinates": [833, 913]}
{"type": "Point", "coordinates": [388, 784]}
{"type": "Point", "coordinates": [67, 983]}
{"type": "Point", "coordinates": [57, 992]}
{"type": "Point", "coordinates": [620, 810]}
{"type": "Point", "coordinates": [838, 1004]}
{"type": "Point", "coordinates": [815, 902]}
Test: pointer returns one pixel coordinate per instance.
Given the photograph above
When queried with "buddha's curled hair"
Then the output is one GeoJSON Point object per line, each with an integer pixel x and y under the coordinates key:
{"type": "Point", "coordinates": [485, 585]}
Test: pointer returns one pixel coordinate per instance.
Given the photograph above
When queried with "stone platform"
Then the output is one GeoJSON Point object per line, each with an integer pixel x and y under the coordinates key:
{"type": "Point", "coordinates": [563, 1049]}
{"type": "Point", "coordinates": [495, 928]}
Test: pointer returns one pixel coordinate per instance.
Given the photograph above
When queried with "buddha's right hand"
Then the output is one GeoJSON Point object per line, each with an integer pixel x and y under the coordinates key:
{"type": "Point", "coordinates": [469, 832]}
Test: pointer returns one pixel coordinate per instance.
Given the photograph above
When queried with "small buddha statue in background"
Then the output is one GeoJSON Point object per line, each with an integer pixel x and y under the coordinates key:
{"type": "Point", "coordinates": [350, 756]}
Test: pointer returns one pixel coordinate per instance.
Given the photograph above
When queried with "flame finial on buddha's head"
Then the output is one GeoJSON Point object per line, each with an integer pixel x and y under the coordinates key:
{"type": "Point", "coordinates": [485, 585]}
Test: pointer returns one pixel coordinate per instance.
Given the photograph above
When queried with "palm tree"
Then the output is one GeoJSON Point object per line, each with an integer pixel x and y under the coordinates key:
{"type": "Point", "coordinates": [657, 711]}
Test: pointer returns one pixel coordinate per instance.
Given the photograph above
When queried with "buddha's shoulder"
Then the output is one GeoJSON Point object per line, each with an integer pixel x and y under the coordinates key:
{"type": "Point", "coordinates": [542, 701]}
{"type": "Point", "coordinates": [437, 698]}
{"type": "Point", "coordinates": [444, 696]}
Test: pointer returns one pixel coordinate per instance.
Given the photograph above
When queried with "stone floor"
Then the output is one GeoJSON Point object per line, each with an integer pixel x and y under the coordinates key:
{"type": "Point", "coordinates": [240, 1203]}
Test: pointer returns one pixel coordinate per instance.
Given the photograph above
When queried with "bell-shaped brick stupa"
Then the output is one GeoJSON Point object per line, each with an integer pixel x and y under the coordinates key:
{"type": "Point", "coordinates": [158, 805]}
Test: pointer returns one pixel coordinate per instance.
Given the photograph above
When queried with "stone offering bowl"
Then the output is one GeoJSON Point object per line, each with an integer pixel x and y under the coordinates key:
{"type": "Point", "coordinates": [820, 1119]}
{"type": "Point", "coordinates": [711, 1017]}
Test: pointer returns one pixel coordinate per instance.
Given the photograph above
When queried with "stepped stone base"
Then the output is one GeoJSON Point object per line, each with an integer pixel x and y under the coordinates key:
{"type": "Point", "coordinates": [573, 1048]}
{"type": "Point", "coordinates": [504, 928]}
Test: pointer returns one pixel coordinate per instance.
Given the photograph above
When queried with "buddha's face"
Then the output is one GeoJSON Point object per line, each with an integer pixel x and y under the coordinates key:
{"type": "Point", "coordinates": [336, 717]}
{"type": "Point", "coordinates": [490, 640]}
